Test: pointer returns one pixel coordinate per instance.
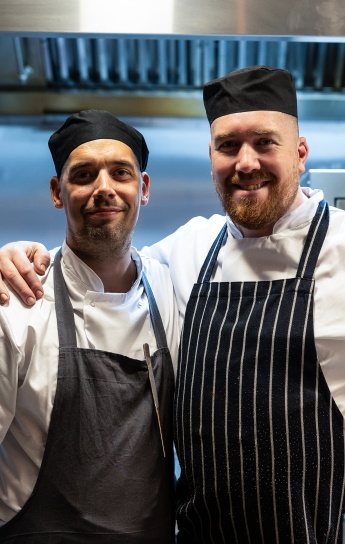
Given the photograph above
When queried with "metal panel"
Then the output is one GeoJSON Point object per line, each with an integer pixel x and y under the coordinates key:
{"type": "Point", "coordinates": [182, 17]}
{"type": "Point", "coordinates": [168, 64]}
{"type": "Point", "coordinates": [156, 68]}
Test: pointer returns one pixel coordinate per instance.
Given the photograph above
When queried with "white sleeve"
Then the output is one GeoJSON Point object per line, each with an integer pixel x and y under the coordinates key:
{"type": "Point", "coordinates": [184, 252]}
{"type": "Point", "coordinates": [8, 378]}
{"type": "Point", "coordinates": [164, 249]}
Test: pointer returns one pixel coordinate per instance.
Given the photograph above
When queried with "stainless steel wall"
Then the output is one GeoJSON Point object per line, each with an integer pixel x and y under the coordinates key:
{"type": "Point", "coordinates": [181, 17]}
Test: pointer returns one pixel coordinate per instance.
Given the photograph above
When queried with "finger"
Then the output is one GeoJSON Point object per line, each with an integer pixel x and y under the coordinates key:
{"type": "Point", "coordinates": [4, 294]}
{"type": "Point", "coordinates": [15, 265]}
{"type": "Point", "coordinates": [24, 281]}
{"type": "Point", "coordinates": [22, 277]}
{"type": "Point", "coordinates": [41, 258]}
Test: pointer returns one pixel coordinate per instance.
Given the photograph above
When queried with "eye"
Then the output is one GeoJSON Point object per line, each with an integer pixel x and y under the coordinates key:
{"type": "Point", "coordinates": [265, 141]}
{"type": "Point", "coordinates": [81, 176]}
{"type": "Point", "coordinates": [121, 174]}
{"type": "Point", "coordinates": [228, 144]}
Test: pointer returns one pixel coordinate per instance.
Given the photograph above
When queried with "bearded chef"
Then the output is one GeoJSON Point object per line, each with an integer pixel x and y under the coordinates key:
{"type": "Point", "coordinates": [86, 375]}
{"type": "Point", "coordinates": [260, 395]}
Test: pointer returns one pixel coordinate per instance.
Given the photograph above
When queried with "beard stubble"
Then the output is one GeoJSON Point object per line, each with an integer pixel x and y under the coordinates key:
{"type": "Point", "coordinates": [102, 242]}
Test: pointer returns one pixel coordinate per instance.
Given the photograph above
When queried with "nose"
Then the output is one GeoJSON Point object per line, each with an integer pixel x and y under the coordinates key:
{"type": "Point", "coordinates": [104, 186]}
{"type": "Point", "coordinates": [247, 159]}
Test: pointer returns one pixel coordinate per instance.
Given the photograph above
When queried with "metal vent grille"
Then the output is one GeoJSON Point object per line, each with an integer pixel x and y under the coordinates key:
{"type": "Point", "coordinates": [184, 64]}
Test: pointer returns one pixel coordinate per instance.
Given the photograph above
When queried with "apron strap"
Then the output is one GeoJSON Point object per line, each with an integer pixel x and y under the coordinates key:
{"type": "Point", "coordinates": [155, 316]}
{"type": "Point", "coordinates": [314, 241]}
{"type": "Point", "coordinates": [207, 267]}
{"type": "Point", "coordinates": [63, 307]}
{"type": "Point", "coordinates": [310, 254]}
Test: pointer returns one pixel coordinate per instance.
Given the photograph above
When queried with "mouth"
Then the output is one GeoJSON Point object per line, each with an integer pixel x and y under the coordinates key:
{"type": "Point", "coordinates": [253, 187]}
{"type": "Point", "coordinates": [104, 212]}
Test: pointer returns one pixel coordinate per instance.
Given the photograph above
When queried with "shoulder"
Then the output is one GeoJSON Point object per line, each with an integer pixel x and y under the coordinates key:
{"type": "Point", "coordinates": [156, 272]}
{"type": "Point", "coordinates": [194, 239]}
{"type": "Point", "coordinates": [336, 229]}
{"type": "Point", "coordinates": [198, 226]}
{"type": "Point", "coordinates": [17, 314]}
{"type": "Point", "coordinates": [333, 249]}
{"type": "Point", "coordinates": [337, 215]}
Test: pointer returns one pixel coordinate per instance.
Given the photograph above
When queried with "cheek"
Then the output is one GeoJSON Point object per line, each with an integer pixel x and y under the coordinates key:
{"type": "Point", "coordinates": [221, 168]}
{"type": "Point", "coordinates": [130, 194]}
{"type": "Point", "coordinates": [80, 194]}
{"type": "Point", "coordinates": [72, 201]}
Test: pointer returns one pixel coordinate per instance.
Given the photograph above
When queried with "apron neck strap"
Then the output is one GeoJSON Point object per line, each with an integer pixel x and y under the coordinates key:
{"type": "Point", "coordinates": [63, 307]}
{"type": "Point", "coordinates": [207, 267]}
{"type": "Point", "coordinates": [314, 241]}
{"type": "Point", "coordinates": [310, 254]}
{"type": "Point", "coordinates": [155, 316]}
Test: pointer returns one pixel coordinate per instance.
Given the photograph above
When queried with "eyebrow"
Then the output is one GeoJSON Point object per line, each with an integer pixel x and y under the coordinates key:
{"type": "Point", "coordinates": [86, 164]}
{"type": "Point", "coordinates": [257, 132]}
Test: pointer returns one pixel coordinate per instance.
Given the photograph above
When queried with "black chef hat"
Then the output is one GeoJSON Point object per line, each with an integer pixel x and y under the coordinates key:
{"type": "Point", "coordinates": [250, 89]}
{"type": "Point", "coordinates": [89, 125]}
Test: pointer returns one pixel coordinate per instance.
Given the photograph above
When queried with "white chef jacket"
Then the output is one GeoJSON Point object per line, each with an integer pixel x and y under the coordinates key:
{"type": "Point", "coordinates": [115, 322]}
{"type": "Point", "coordinates": [270, 258]}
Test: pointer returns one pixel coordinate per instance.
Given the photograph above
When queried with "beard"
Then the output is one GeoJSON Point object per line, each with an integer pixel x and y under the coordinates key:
{"type": "Point", "coordinates": [254, 213]}
{"type": "Point", "coordinates": [102, 241]}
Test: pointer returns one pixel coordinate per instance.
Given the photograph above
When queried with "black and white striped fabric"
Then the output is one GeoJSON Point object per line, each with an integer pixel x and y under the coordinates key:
{"type": "Point", "coordinates": [259, 438]}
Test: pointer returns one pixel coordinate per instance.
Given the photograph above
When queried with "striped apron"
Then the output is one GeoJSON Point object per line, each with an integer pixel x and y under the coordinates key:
{"type": "Point", "coordinates": [259, 437]}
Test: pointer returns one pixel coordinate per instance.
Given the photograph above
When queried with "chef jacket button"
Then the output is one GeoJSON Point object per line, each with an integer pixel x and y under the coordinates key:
{"type": "Point", "coordinates": [140, 304]}
{"type": "Point", "coordinates": [92, 304]}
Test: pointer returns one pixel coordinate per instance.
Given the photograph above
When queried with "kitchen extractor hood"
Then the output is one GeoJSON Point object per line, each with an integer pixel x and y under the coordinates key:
{"type": "Point", "coordinates": [151, 58]}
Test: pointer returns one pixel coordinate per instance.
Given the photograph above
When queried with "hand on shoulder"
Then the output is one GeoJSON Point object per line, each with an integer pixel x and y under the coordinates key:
{"type": "Point", "coordinates": [17, 270]}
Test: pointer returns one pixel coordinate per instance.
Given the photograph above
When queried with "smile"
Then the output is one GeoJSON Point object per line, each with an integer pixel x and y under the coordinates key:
{"type": "Point", "coordinates": [251, 187]}
{"type": "Point", "coordinates": [104, 211]}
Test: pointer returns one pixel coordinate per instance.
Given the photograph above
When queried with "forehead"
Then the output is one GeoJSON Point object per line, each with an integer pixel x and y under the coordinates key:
{"type": "Point", "coordinates": [100, 151]}
{"type": "Point", "coordinates": [250, 122]}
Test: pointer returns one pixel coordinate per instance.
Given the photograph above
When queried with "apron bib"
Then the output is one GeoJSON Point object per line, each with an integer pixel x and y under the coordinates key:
{"type": "Point", "coordinates": [259, 438]}
{"type": "Point", "coordinates": [103, 478]}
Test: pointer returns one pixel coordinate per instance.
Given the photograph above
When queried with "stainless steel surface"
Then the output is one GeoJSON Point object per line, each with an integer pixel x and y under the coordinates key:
{"type": "Point", "coordinates": [183, 17]}
{"type": "Point", "coordinates": [19, 102]}
{"type": "Point", "coordinates": [332, 183]}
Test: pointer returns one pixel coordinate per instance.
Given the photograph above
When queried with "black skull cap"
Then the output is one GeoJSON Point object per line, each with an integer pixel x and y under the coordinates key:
{"type": "Point", "coordinates": [89, 125]}
{"type": "Point", "coordinates": [251, 89]}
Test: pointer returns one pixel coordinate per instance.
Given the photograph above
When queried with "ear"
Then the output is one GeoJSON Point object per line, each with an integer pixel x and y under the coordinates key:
{"type": "Point", "coordinates": [145, 188]}
{"type": "Point", "coordinates": [55, 191]}
{"type": "Point", "coordinates": [303, 151]}
{"type": "Point", "coordinates": [210, 155]}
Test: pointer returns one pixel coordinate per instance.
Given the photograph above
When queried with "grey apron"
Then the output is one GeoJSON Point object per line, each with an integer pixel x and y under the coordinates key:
{"type": "Point", "coordinates": [259, 437]}
{"type": "Point", "coordinates": [103, 478]}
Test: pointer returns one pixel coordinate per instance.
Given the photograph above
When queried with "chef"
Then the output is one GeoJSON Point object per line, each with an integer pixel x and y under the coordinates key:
{"type": "Point", "coordinates": [87, 379]}
{"type": "Point", "coordinates": [260, 392]}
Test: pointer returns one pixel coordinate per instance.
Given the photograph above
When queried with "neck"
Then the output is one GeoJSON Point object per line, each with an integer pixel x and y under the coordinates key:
{"type": "Point", "coordinates": [117, 272]}
{"type": "Point", "coordinates": [117, 276]}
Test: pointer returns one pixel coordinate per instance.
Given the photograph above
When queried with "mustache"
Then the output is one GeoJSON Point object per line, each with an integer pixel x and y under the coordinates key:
{"type": "Point", "coordinates": [257, 175]}
{"type": "Point", "coordinates": [101, 204]}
